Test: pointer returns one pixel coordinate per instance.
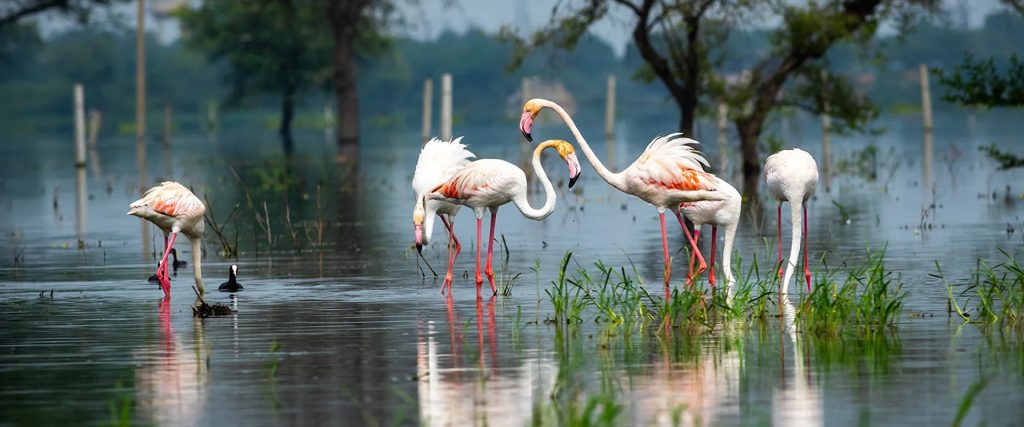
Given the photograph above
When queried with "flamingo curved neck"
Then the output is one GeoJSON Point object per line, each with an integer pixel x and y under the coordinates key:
{"type": "Point", "coordinates": [614, 179]}
{"type": "Point", "coordinates": [197, 259]}
{"type": "Point", "coordinates": [796, 207]}
{"type": "Point", "coordinates": [429, 212]}
{"type": "Point", "coordinates": [520, 199]}
{"type": "Point", "coordinates": [730, 237]}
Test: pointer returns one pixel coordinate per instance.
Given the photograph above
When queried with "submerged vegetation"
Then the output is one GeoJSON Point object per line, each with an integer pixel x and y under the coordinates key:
{"type": "Point", "coordinates": [863, 297]}
{"type": "Point", "coordinates": [994, 294]}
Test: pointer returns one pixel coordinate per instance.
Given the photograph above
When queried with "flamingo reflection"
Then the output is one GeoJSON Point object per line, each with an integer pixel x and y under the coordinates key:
{"type": "Point", "coordinates": [171, 382]}
{"type": "Point", "coordinates": [797, 401]}
{"type": "Point", "coordinates": [456, 395]}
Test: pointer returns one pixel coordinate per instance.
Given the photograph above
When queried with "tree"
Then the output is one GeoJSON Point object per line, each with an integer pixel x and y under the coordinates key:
{"type": "Point", "coordinates": [687, 66]}
{"type": "Point", "coordinates": [356, 26]}
{"type": "Point", "coordinates": [679, 62]}
{"type": "Point", "coordinates": [13, 10]}
{"type": "Point", "coordinates": [278, 46]}
{"type": "Point", "coordinates": [979, 83]}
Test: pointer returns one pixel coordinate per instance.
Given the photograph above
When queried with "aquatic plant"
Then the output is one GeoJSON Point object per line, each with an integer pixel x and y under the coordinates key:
{"type": "Point", "coordinates": [869, 298]}
{"type": "Point", "coordinates": [506, 279]}
{"type": "Point", "coordinates": [567, 303]}
{"type": "Point", "coordinates": [998, 292]}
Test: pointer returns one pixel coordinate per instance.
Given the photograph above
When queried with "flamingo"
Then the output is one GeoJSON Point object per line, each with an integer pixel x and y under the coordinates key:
{"type": "Point", "coordinates": [792, 175]}
{"type": "Point", "coordinates": [438, 162]}
{"type": "Point", "coordinates": [232, 284]}
{"type": "Point", "coordinates": [174, 209]}
{"type": "Point", "coordinates": [724, 213]}
{"type": "Point", "coordinates": [666, 174]}
{"type": "Point", "coordinates": [491, 183]}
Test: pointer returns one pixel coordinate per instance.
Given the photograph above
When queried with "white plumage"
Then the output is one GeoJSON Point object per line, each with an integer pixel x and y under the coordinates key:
{"type": "Point", "coordinates": [792, 175]}
{"type": "Point", "coordinates": [438, 162]}
{"type": "Point", "coordinates": [174, 209]}
{"type": "Point", "coordinates": [724, 213]}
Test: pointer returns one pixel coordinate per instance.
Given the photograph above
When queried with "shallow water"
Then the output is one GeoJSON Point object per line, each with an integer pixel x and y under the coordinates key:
{"type": "Point", "coordinates": [354, 331]}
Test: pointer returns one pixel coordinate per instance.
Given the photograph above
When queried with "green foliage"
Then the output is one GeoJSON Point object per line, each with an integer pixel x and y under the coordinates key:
{"type": "Point", "coordinates": [271, 46]}
{"type": "Point", "coordinates": [998, 292]}
{"type": "Point", "coordinates": [1006, 160]}
{"type": "Point", "coordinates": [870, 298]}
{"type": "Point", "coordinates": [981, 83]}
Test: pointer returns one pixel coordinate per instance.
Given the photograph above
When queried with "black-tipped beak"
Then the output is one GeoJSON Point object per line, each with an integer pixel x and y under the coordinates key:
{"type": "Point", "coordinates": [526, 124]}
{"type": "Point", "coordinates": [572, 181]}
{"type": "Point", "coordinates": [419, 248]}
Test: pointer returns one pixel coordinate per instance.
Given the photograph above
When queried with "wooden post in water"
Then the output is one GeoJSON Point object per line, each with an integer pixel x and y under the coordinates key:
{"type": "Point", "coordinates": [79, 96]}
{"type": "Point", "coordinates": [446, 107]}
{"type": "Point", "coordinates": [95, 121]}
{"type": "Point", "coordinates": [926, 115]}
{"type": "Point", "coordinates": [428, 105]}
{"type": "Point", "coordinates": [609, 108]}
{"type": "Point", "coordinates": [826, 139]}
{"type": "Point", "coordinates": [140, 112]}
{"type": "Point", "coordinates": [167, 126]}
{"type": "Point", "coordinates": [723, 143]}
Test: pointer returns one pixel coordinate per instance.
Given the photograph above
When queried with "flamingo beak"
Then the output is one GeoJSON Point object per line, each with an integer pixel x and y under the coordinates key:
{"type": "Point", "coordinates": [525, 124]}
{"type": "Point", "coordinates": [419, 238]}
{"type": "Point", "coordinates": [574, 168]}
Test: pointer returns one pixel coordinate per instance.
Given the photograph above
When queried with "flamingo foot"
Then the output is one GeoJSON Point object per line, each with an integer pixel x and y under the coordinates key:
{"type": "Point", "coordinates": [490, 278]}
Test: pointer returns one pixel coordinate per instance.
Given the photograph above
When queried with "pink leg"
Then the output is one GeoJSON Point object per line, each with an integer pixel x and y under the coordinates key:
{"type": "Point", "coordinates": [161, 270]}
{"type": "Point", "coordinates": [664, 248]}
{"type": "Point", "coordinates": [453, 242]}
{"type": "Point", "coordinates": [779, 224]}
{"type": "Point", "coordinates": [165, 282]}
{"type": "Point", "coordinates": [700, 258]}
{"type": "Point", "coordinates": [686, 232]}
{"type": "Point", "coordinates": [807, 268]}
{"type": "Point", "coordinates": [490, 251]}
{"type": "Point", "coordinates": [479, 279]}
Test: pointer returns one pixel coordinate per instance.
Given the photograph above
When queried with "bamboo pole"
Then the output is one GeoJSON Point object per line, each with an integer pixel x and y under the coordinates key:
{"type": "Point", "coordinates": [926, 116]}
{"type": "Point", "coordinates": [79, 96]}
{"type": "Point", "coordinates": [723, 143]}
{"type": "Point", "coordinates": [95, 121]}
{"type": "Point", "coordinates": [428, 105]}
{"type": "Point", "coordinates": [446, 107]}
{"type": "Point", "coordinates": [140, 112]}
{"type": "Point", "coordinates": [826, 139]}
{"type": "Point", "coordinates": [609, 108]}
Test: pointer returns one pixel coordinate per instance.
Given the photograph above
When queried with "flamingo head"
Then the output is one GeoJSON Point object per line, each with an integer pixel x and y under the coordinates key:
{"type": "Point", "coordinates": [568, 153]}
{"type": "Point", "coordinates": [530, 111]}
{"type": "Point", "coordinates": [417, 221]}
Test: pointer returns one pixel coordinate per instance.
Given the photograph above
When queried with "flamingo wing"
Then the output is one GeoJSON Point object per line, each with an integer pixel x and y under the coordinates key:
{"type": "Point", "coordinates": [671, 162]}
{"type": "Point", "coordinates": [171, 199]}
{"type": "Point", "coordinates": [438, 162]}
{"type": "Point", "coordinates": [481, 178]}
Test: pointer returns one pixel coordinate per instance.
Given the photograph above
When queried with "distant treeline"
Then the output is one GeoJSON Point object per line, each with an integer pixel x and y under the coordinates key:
{"type": "Point", "coordinates": [36, 74]}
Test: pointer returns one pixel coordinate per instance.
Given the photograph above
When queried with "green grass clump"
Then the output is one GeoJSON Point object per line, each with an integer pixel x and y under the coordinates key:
{"type": "Point", "coordinates": [996, 293]}
{"type": "Point", "coordinates": [870, 298]}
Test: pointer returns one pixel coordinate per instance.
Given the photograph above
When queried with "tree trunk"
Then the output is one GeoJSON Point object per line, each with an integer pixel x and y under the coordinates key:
{"type": "Point", "coordinates": [287, 113]}
{"type": "Point", "coordinates": [346, 91]}
{"type": "Point", "coordinates": [750, 131]}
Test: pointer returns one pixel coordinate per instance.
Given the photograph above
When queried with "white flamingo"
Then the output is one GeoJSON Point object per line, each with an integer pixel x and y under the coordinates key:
{"type": "Point", "coordinates": [792, 175]}
{"type": "Point", "coordinates": [438, 162]}
{"type": "Point", "coordinates": [724, 213]}
{"type": "Point", "coordinates": [174, 209]}
{"type": "Point", "coordinates": [490, 183]}
{"type": "Point", "coordinates": [667, 173]}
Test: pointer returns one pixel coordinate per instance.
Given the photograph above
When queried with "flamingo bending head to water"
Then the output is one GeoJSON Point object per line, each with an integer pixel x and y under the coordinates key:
{"type": "Point", "coordinates": [490, 183]}
{"type": "Point", "coordinates": [438, 162]}
{"type": "Point", "coordinates": [667, 173]}
{"type": "Point", "coordinates": [724, 213]}
{"type": "Point", "coordinates": [792, 176]}
{"type": "Point", "coordinates": [174, 209]}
